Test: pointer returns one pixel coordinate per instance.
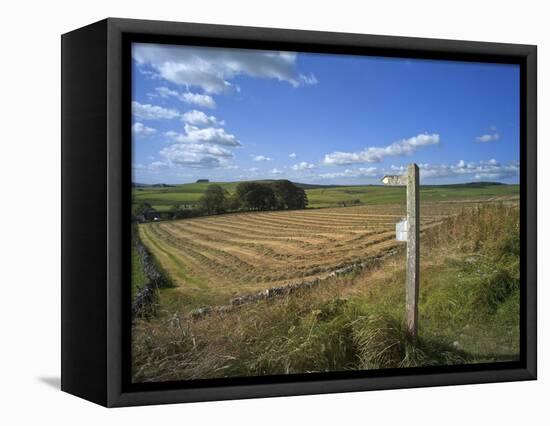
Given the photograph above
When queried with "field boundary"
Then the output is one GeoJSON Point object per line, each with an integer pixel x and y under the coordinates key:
{"type": "Point", "coordinates": [144, 300]}
{"type": "Point", "coordinates": [280, 291]}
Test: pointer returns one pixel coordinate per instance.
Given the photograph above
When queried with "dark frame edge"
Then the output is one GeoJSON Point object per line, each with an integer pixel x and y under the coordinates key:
{"type": "Point", "coordinates": [83, 189]}
{"type": "Point", "coordinates": [125, 399]}
{"type": "Point", "coordinates": [530, 139]}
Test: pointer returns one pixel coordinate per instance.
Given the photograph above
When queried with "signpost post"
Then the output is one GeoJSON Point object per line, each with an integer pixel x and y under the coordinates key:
{"type": "Point", "coordinates": [412, 230]}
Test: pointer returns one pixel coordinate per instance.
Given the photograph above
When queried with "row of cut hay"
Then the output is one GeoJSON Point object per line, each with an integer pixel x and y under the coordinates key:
{"type": "Point", "coordinates": [271, 247]}
{"type": "Point", "coordinates": [286, 243]}
{"type": "Point", "coordinates": [260, 256]}
{"type": "Point", "coordinates": [201, 263]}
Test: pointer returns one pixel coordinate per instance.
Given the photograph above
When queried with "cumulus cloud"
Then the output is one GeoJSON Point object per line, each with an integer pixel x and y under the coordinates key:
{"type": "Point", "coordinates": [165, 92]}
{"type": "Point", "coordinates": [377, 154]}
{"type": "Point", "coordinates": [201, 100]}
{"type": "Point", "coordinates": [205, 101]}
{"type": "Point", "coordinates": [360, 172]}
{"type": "Point", "coordinates": [199, 118]}
{"type": "Point", "coordinates": [488, 137]}
{"type": "Point", "coordinates": [293, 155]}
{"type": "Point", "coordinates": [212, 69]}
{"type": "Point", "coordinates": [487, 170]}
{"type": "Point", "coordinates": [261, 158]}
{"type": "Point", "coordinates": [139, 129]}
{"type": "Point", "coordinates": [154, 166]}
{"type": "Point", "coordinates": [195, 155]}
{"type": "Point", "coordinates": [300, 167]}
{"type": "Point", "coordinates": [276, 171]}
{"type": "Point", "coordinates": [208, 135]}
{"type": "Point", "coordinates": [152, 112]}
{"type": "Point", "coordinates": [461, 171]}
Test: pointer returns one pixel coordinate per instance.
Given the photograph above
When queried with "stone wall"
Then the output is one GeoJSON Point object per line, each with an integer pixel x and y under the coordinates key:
{"type": "Point", "coordinates": [272, 292]}
{"type": "Point", "coordinates": [145, 300]}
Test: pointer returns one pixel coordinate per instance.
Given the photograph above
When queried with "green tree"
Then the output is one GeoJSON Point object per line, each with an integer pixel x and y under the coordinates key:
{"type": "Point", "coordinates": [288, 195]}
{"type": "Point", "coordinates": [141, 208]}
{"type": "Point", "coordinates": [255, 196]}
{"type": "Point", "coordinates": [181, 212]}
{"type": "Point", "coordinates": [143, 211]}
{"type": "Point", "coordinates": [233, 202]}
{"type": "Point", "coordinates": [213, 200]}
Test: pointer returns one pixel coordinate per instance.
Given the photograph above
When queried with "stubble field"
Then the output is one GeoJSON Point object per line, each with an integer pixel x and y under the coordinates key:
{"type": "Point", "coordinates": [213, 259]}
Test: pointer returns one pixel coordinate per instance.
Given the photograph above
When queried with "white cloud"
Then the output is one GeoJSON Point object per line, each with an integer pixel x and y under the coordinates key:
{"type": "Point", "coordinates": [377, 154]}
{"type": "Point", "coordinates": [165, 92]}
{"type": "Point", "coordinates": [261, 158]}
{"type": "Point", "coordinates": [489, 137]}
{"type": "Point", "coordinates": [199, 118]}
{"type": "Point", "coordinates": [152, 112]}
{"type": "Point", "coordinates": [209, 135]}
{"type": "Point", "coordinates": [293, 155]}
{"type": "Point", "coordinates": [253, 169]}
{"type": "Point", "coordinates": [196, 155]}
{"type": "Point", "coordinates": [139, 129]}
{"type": "Point", "coordinates": [211, 69]}
{"type": "Point", "coordinates": [276, 171]}
{"type": "Point", "coordinates": [310, 79]}
{"type": "Point", "coordinates": [480, 170]}
{"type": "Point", "coordinates": [360, 172]}
{"type": "Point", "coordinates": [303, 166]}
{"type": "Point", "coordinates": [204, 101]}
{"type": "Point", "coordinates": [158, 165]}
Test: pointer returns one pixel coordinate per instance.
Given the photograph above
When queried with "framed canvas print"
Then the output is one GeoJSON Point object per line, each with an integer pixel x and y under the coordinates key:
{"type": "Point", "coordinates": [253, 212]}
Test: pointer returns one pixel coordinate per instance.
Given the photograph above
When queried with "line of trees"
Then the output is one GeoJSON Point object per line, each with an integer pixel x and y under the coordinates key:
{"type": "Point", "coordinates": [260, 196]}
{"type": "Point", "coordinates": [248, 196]}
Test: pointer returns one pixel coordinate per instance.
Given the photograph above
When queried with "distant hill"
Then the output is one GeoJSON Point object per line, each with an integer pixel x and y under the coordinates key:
{"type": "Point", "coordinates": [202, 183]}
{"type": "Point", "coordinates": [468, 185]}
{"type": "Point", "coordinates": [162, 196]}
{"type": "Point", "coordinates": [484, 183]}
{"type": "Point", "coordinates": [154, 185]}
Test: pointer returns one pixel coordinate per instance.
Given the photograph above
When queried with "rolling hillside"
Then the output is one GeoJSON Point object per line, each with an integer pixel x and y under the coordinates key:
{"type": "Point", "coordinates": [162, 197]}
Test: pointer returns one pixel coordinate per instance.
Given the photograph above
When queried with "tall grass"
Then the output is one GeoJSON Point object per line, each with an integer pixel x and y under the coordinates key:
{"type": "Point", "coordinates": [469, 312]}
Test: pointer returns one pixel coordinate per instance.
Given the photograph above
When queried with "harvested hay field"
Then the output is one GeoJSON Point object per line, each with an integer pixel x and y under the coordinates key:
{"type": "Point", "coordinates": [213, 259]}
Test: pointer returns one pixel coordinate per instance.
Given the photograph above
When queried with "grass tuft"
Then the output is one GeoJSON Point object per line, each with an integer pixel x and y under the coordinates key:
{"type": "Point", "coordinates": [381, 341]}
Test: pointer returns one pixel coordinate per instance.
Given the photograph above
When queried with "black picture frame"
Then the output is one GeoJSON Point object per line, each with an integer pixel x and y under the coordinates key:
{"type": "Point", "coordinates": [96, 191]}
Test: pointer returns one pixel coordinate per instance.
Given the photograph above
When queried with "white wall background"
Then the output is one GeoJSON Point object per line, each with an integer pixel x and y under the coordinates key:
{"type": "Point", "coordinates": [30, 201]}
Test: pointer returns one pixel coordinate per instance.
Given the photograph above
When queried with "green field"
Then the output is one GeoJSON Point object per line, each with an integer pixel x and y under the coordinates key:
{"type": "Point", "coordinates": [162, 198]}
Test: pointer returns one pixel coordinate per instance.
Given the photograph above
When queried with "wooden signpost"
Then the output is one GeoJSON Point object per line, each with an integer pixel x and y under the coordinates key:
{"type": "Point", "coordinates": [412, 230]}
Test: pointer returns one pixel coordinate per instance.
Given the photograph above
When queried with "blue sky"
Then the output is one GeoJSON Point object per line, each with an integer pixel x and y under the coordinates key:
{"type": "Point", "coordinates": [234, 114]}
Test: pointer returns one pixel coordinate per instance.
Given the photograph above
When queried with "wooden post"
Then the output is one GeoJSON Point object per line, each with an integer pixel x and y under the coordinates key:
{"type": "Point", "coordinates": [411, 181]}
{"type": "Point", "coordinates": [413, 250]}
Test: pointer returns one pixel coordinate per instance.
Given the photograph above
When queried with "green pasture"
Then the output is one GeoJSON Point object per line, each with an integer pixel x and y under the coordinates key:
{"type": "Point", "coordinates": [162, 198]}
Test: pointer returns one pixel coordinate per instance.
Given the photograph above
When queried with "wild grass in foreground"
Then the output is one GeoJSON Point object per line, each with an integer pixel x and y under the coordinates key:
{"type": "Point", "coordinates": [469, 313]}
